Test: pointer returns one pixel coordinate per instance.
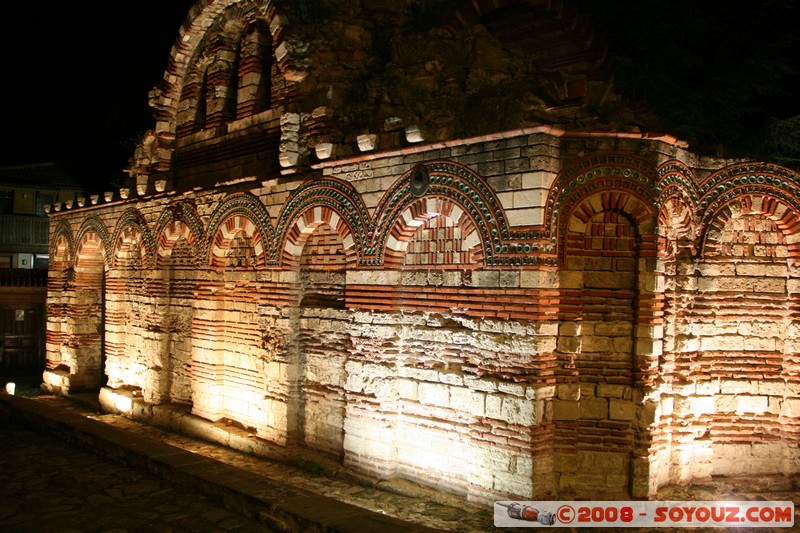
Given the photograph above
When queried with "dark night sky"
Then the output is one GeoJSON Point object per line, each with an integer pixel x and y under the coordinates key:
{"type": "Point", "coordinates": [75, 78]}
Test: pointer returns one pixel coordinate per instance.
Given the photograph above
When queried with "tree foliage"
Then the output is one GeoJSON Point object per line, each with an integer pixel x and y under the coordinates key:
{"type": "Point", "coordinates": [720, 74]}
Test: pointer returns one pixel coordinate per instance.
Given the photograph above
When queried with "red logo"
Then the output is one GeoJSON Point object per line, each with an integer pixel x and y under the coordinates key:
{"type": "Point", "coordinates": [565, 514]}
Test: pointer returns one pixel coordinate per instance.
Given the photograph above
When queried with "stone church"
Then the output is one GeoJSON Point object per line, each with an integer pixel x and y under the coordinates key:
{"type": "Point", "coordinates": [438, 248]}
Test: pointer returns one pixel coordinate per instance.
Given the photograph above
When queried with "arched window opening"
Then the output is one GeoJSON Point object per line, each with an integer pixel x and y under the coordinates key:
{"type": "Point", "coordinates": [201, 109]}
{"type": "Point", "coordinates": [255, 72]}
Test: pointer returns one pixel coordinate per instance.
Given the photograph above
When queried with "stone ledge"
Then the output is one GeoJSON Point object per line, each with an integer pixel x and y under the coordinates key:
{"type": "Point", "coordinates": [280, 507]}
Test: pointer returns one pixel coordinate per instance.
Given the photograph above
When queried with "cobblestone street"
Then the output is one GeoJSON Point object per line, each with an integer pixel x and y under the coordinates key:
{"type": "Point", "coordinates": [49, 483]}
{"type": "Point", "coordinates": [52, 486]}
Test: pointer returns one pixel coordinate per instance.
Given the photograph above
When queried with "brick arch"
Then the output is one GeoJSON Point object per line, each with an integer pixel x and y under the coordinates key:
{"type": "Point", "coordinates": [757, 190]}
{"type": "Point", "coordinates": [93, 225]}
{"type": "Point", "coordinates": [237, 213]}
{"type": "Point", "coordinates": [179, 222]}
{"type": "Point", "coordinates": [132, 231]}
{"type": "Point", "coordinates": [91, 250]}
{"type": "Point", "coordinates": [256, 56]}
{"type": "Point", "coordinates": [603, 243]}
{"type": "Point", "coordinates": [60, 255]}
{"type": "Point", "coordinates": [128, 249]}
{"type": "Point", "coordinates": [458, 187]}
{"type": "Point", "coordinates": [62, 246]}
{"type": "Point", "coordinates": [192, 97]}
{"type": "Point", "coordinates": [608, 208]}
{"type": "Point", "coordinates": [234, 233]}
{"type": "Point", "coordinates": [306, 223]}
{"type": "Point", "coordinates": [190, 44]}
{"type": "Point", "coordinates": [174, 234]}
{"type": "Point", "coordinates": [753, 225]}
{"type": "Point", "coordinates": [86, 301]}
{"type": "Point", "coordinates": [611, 205]}
{"type": "Point", "coordinates": [183, 211]}
{"type": "Point", "coordinates": [208, 97]}
{"type": "Point", "coordinates": [678, 203]}
{"type": "Point", "coordinates": [675, 178]}
{"type": "Point", "coordinates": [581, 179]}
{"type": "Point", "coordinates": [322, 200]}
{"type": "Point", "coordinates": [467, 247]}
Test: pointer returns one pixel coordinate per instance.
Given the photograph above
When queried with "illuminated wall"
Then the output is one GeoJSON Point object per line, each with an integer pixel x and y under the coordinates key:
{"type": "Point", "coordinates": [630, 336]}
{"type": "Point", "coordinates": [533, 313]}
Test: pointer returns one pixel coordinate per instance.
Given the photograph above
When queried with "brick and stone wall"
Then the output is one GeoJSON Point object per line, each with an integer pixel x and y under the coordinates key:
{"type": "Point", "coordinates": [621, 339]}
{"type": "Point", "coordinates": [536, 313]}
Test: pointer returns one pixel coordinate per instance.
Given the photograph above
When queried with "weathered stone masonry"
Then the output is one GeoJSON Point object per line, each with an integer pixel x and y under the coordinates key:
{"type": "Point", "coordinates": [535, 313]}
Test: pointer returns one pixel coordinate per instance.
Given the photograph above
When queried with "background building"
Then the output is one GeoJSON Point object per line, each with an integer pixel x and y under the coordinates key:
{"type": "Point", "coordinates": [27, 194]}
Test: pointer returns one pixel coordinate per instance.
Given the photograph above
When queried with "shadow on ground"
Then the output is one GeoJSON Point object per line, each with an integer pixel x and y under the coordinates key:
{"type": "Point", "coordinates": [27, 386]}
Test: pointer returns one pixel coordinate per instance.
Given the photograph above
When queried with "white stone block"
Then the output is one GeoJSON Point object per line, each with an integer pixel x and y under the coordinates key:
{"type": "Point", "coordinates": [613, 391]}
{"type": "Point", "coordinates": [468, 401]}
{"type": "Point", "coordinates": [288, 159]}
{"type": "Point", "coordinates": [540, 180]}
{"type": "Point", "coordinates": [366, 142]}
{"type": "Point", "coordinates": [452, 379]}
{"type": "Point", "coordinates": [515, 389]}
{"type": "Point", "coordinates": [529, 198]}
{"type": "Point", "coordinates": [373, 277]}
{"type": "Point", "coordinates": [413, 134]}
{"type": "Point", "coordinates": [621, 409]}
{"type": "Point", "coordinates": [759, 344]}
{"type": "Point", "coordinates": [420, 374]}
{"type": "Point", "coordinates": [791, 408]}
{"type": "Point", "coordinates": [593, 408]}
{"type": "Point", "coordinates": [512, 483]}
{"type": "Point", "coordinates": [506, 199]}
{"type": "Point", "coordinates": [701, 405]}
{"type": "Point", "coordinates": [565, 410]}
{"type": "Point", "coordinates": [521, 217]}
{"type": "Point", "coordinates": [509, 279]}
{"type": "Point", "coordinates": [730, 386]}
{"type": "Point", "coordinates": [568, 391]}
{"type": "Point", "coordinates": [486, 278]}
{"type": "Point", "coordinates": [705, 388]}
{"type": "Point", "coordinates": [433, 394]}
{"type": "Point", "coordinates": [570, 280]}
{"type": "Point", "coordinates": [771, 388]}
{"type": "Point", "coordinates": [470, 240]}
{"type": "Point", "coordinates": [539, 279]}
{"type": "Point", "coordinates": [517, 411]}
{"type": "Point", "coordinates": [494, 405]}
{"type": "Point", "coordinates": [480, 384]}
{"type": "Point", "coordinates": [324, 150]}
